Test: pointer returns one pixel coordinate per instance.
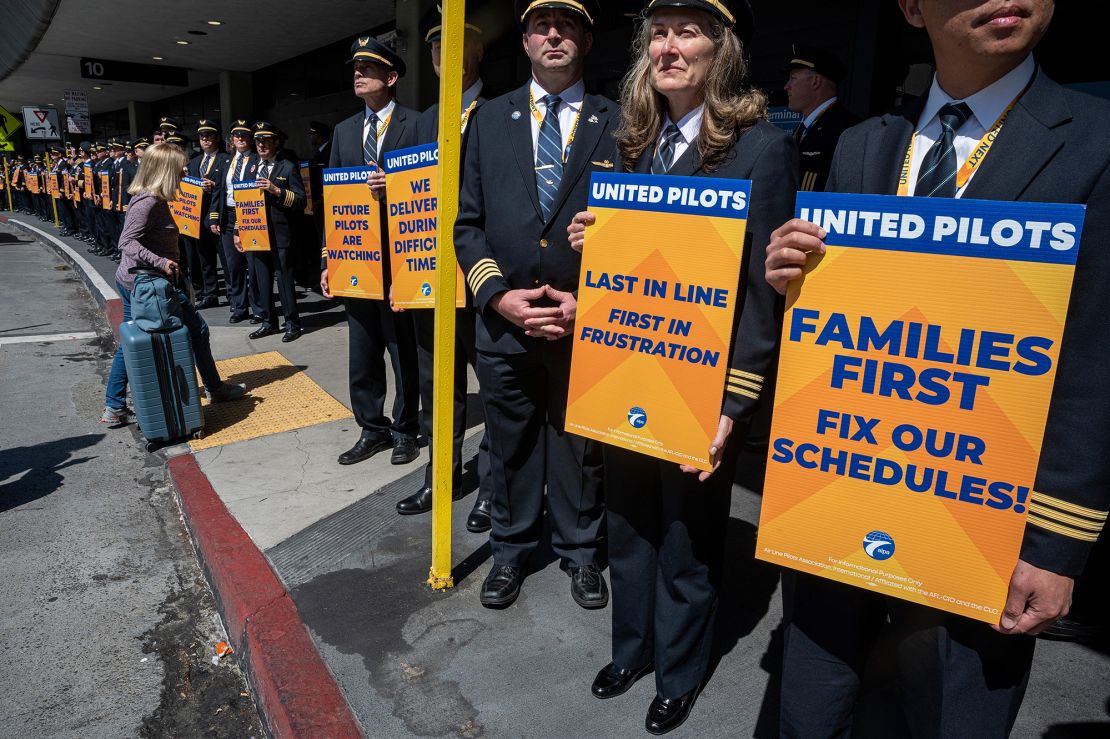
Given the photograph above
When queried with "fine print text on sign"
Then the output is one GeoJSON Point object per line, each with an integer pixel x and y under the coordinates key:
{"type": "Point", "coordinates": [186, 209]}
{"type": "Point", "coordinates": [917, 362]}
{"type": "Point", "coordinates": [250, 216]}
{"type": "Point", "coordinates": [654, 325]}
{"type": "Point", "coordinates": [352, 234]}
{"type": "Point", "coordinates": [412, 191]}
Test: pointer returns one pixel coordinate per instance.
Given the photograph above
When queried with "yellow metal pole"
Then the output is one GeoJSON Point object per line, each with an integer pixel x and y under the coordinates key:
{"type": "Point", "coordinates": [450, 148]}
{"type": "Point", "coordinates": [49, 194]}
{"type": "Point", "coordinates": [8, 185]}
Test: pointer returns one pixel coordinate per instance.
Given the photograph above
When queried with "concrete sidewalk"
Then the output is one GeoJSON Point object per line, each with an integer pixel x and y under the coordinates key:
{"type": "Point", "coordinates": [413, 662]}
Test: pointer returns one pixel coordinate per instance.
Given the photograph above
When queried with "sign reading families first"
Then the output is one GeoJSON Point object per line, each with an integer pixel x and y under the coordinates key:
{"type": "Point", "coordinates": [250, 216]}
{"type": "Point", "coordinates": [658, 291]}
{"type": "Point", "coordinates": [915, 373]}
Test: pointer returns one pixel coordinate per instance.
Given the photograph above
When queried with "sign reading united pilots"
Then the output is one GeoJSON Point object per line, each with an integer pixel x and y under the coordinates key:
{"type": "Point", "coordinates": [250, 216]}
{"type": "Point", "coordinates": [412, 191]}
{"type": "Point", "coordinates": [352, 234]}
{"type": "Point", "coordinates": [916, 369]}
{"type": "Point", "coordinates": [186, 209]}
{"type": "Point", "coordinates": [654, 325]}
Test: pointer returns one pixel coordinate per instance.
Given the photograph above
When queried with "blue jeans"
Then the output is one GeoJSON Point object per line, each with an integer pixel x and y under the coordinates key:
{"type": "Point", "coordinates": [115, 396]}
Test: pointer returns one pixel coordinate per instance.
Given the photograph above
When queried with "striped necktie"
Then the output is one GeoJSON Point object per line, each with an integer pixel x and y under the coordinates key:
{"type": "Point", "coordinates": [242, 166]}
{"type": "Point", "coordinates": [370, 144]}
{"type": "Point", "coordinates": [663, 160]}
{"type": "Point", "coordinates": [800, 132]}
{"type": "Point", "coordinates": [549, 155]}
{"type": "Point", "coordinates": [937, 176]}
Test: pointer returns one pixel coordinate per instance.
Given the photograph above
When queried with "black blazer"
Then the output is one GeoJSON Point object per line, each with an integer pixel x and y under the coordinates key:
{"type": "Point", "coordinates": [768, 157]}
{"type": "Point", "coordinates": [224, 214]}
{"type": "Point", "coordinates": [216, 171]}
{"type": "Point", "coordinates": [427, 125]}
{"type": "Point", "coordinates": [1054, 147]}
{"type": "Point", "coordinates": [346, 151]}
{"type": "Point", "coordinates": [819, 143]}
{"type": "Point", "coordinates": [501, 238]}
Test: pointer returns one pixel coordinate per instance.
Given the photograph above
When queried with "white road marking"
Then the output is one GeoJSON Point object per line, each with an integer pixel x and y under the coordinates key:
{"type": "Point", "coordinates": [72, 336]}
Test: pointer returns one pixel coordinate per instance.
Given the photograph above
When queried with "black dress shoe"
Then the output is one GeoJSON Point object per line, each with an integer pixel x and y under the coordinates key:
{"type": "Point", "coordinates": [613, 681]}
{"type": "Point", "coordinates": [666, 714]}
{"type": "Point", "coordinates": [418, 502]}
{"type": "Point", "coordinates": [256, 320]}
{"type": "Point", "coordinates": [236, 319]}
{"type": "Point", "coordinates": [292, 333]}
{"type": "Point", "coordinates": [502, 586]}
{"type": "Point", "coordinates": [587, 587]}
{"type": "Point", "coordinates": [263, 331]}
{"type": "Point", "coordinates": [369, 444]}
{"type": "Point", "coordinates": [479, 521]}
{"type": "Point", "coordinates": [404, 450]}
{"type": "Point", "coordinates": [209, 302]}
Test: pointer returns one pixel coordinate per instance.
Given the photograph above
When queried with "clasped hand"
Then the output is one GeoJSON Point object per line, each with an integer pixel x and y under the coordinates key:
{"type": "Point", "coordinates": [549, 322]}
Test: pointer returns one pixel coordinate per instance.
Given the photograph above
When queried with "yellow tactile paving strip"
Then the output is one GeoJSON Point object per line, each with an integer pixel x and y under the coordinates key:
{"type": "Point", "coordinates": [280, 397]}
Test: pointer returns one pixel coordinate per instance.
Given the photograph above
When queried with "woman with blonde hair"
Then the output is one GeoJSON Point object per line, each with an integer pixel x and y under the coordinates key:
{"type": "Point", "coordinates": [149, 242]}
{"type": "Point", "coordinates": [686, 110]}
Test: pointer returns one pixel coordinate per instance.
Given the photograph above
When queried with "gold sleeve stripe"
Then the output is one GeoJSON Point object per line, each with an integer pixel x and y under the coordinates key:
{"type": "Point", "coordinates": [742, 391]}
{"type": "Point", "coordinates": [482, 271]}
{"type": "Point", "coordinates": [1059, 529]}
{"type": "Point", "coordinates": [289, 198]}
{"type": "Point", "coordinates": [746, 375]}
{"type": "Point", "coordinates": [1079, 523]}
{"type": "Point", "coordinates": [1063, 505]}
{"type": "Point", "coordinates": [745, 383]}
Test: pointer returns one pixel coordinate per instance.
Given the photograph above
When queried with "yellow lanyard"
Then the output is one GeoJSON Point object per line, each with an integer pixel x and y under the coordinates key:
{"type": "Point", "coordinates": [539, 119]}
{"type": "Point", "coordinates": [380, 131]}
{"type": "Point", "coordinates": [467, 112]}
{"type": "Point", "coordinates": [978, 154]}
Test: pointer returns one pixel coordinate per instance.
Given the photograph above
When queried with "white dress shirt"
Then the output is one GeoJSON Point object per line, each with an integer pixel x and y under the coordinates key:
{"type": "Point", "coordinates": [689, 127]}
{"type": "Point", "coordinates": [986, 106]}
{"type": "Point", "coordinates": [384, 116]}
{"type": "Point", "coordinates": [810, 119]}
{"type": "Point", "coordinates": [568, 111]}
{"type": "Point", "coordinates": [236, 158]}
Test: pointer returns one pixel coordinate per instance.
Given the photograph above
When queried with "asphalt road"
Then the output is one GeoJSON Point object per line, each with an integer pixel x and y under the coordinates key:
{"type": "Point", "coordinates": [107, 625]}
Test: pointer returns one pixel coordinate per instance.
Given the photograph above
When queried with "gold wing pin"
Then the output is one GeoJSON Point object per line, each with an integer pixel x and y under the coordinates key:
{"type": "Point", "coordinates": [604, 165]}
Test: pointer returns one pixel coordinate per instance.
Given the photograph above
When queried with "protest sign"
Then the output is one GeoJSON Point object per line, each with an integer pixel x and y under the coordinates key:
{"type": "Point", "coordinates": [917, 362]}
{"type": "Point", "coordinates": [306, 178]}
{"type": "Point", "coordinates": [186, 209]}
{"type": "Point", "coordinates": [352, 234]}
{"type": "Point", "coordinates": [88, 182]}
{"type": "Point", "coordinates": [658, 290]}
{"type": "Point", "coordinates": [250, 216]}
{"type": "Point", "coordinates": [412, 192]}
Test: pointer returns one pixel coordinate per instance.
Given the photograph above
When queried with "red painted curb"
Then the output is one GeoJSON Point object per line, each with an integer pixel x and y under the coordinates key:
{"type": "Point", "coordinates": [296, 691]}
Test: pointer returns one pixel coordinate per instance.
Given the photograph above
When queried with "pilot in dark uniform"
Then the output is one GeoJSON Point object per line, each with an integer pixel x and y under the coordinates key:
{"type": "Point", "coordinates": [811, 91]}
{"type": "Point", "coordinates": [959, 677]}
{"type": "Point", "coordinates": [210, 166]}
{"type": "Point", "coordinates": [280, 180]}
{"type": "Point", "coordinates": [428, 132]}
{"type": "Point", "coordinates": [529, 157]}
{"type": "Point", "coordinates": [373, 329]}
{"type": "Point", "coordinates": [242, 297]}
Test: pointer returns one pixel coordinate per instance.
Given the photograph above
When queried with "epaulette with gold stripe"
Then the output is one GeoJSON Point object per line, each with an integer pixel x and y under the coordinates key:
{"type": "Point", "coordinates": [482, 271]}
{"type": "Point", "coordinates": [1064, 518]}
{"type": "Point", "coordinates": [748, 384]}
